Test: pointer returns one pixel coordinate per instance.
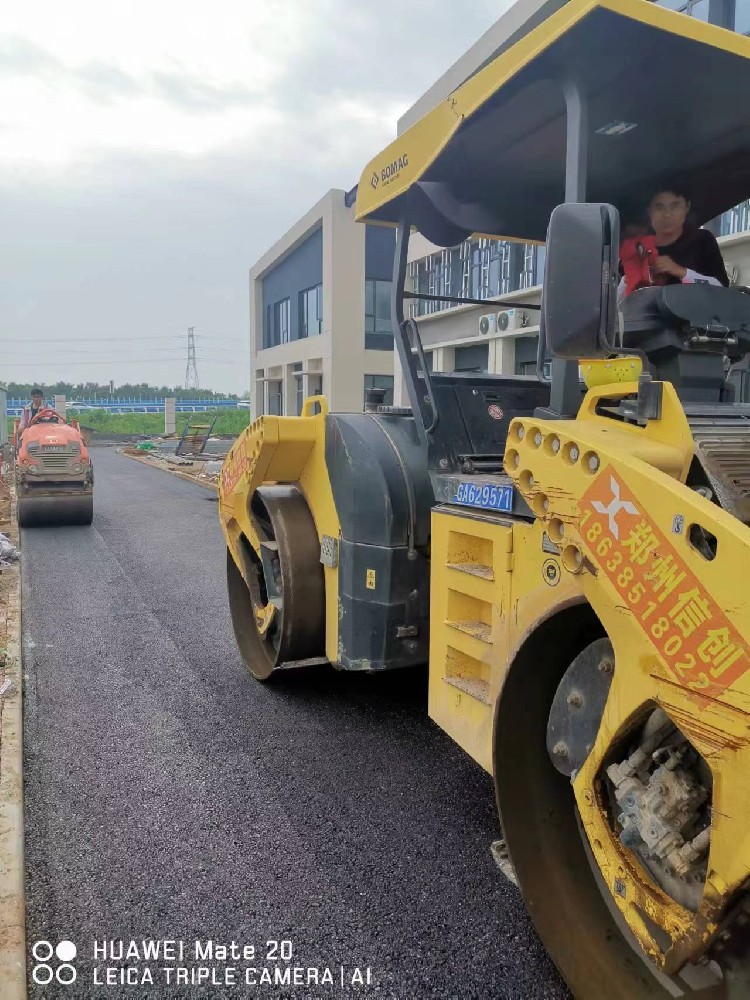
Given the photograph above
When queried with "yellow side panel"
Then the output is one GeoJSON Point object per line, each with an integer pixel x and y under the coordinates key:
{"type": "Point", "coordinates": [484, 601]}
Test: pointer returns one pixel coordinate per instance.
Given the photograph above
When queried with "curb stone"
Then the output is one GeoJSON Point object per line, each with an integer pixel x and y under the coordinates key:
{"type": "Point", "coordinates": [12, 908]}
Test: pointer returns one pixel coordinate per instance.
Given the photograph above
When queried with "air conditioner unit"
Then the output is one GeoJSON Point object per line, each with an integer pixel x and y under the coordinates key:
{"type": "Point", "coordinates": [488, 324]}
{"type": "Point", "coordinates": [512, 319]}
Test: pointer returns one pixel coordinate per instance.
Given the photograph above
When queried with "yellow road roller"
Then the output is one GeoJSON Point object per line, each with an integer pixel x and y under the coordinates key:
{"type": "Point", "coordinates": [569, 553]}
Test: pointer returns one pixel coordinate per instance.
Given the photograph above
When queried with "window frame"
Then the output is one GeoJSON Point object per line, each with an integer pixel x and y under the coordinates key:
{"type": "Point", "coordinates": [371, 300]}
{"type": "Point", "coordinates": [304, 322]}
{"type": "Point", "coordinates": [388, 398]}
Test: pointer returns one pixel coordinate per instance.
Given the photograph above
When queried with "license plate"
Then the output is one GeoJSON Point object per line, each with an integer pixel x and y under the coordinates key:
{"type": "Point", "coordinates": [485, 495]}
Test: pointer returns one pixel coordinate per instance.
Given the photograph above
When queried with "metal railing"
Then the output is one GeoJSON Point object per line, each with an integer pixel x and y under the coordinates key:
{"type": "Point", "coordinates": [133, 404]}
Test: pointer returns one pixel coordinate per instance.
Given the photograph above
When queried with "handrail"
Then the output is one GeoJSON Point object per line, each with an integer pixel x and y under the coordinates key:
{"type": "Point", "coordinates": [411, 327]}
{"type": "Point", "coordinates": [307, 405]}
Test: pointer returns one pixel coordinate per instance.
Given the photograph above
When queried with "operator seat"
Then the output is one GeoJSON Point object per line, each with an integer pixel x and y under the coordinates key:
{"type": "Point", "coordinates": [689, 333]}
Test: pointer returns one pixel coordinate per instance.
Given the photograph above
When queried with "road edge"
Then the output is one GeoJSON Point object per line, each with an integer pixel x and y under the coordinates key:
{"type": "Point", "coordinates": [12, 903]}
{"type": "Point", "coordinates": [173, 472]}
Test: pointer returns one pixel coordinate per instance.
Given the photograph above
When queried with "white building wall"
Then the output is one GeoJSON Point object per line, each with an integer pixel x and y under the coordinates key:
{"type": "Point", "coordinates": [337, 356]}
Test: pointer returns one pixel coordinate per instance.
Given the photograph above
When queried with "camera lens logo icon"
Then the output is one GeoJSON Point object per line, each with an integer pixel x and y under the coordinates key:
{"type": "Point", "coordinates": [44, 971]}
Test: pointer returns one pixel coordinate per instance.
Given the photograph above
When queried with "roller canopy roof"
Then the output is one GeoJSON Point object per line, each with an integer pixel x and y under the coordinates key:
{"type": "Point", "coordinates": [491, 158]}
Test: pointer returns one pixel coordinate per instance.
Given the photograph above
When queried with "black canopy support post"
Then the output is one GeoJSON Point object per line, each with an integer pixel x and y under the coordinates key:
{"type": "Point", "coordinates": [403, 330]}
{"type": "Point", "coordinates": [565, 391]}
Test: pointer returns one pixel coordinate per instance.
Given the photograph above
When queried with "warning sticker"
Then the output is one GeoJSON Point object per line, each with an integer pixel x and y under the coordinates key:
{"type": "Point", "coordinates": [697, 642]}
{"type": "Point", "coordinates": [234, 467]}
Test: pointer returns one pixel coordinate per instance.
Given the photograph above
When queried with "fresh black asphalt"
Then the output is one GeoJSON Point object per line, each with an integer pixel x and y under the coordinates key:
{"type": "Point", "coordinates": [171, 796]}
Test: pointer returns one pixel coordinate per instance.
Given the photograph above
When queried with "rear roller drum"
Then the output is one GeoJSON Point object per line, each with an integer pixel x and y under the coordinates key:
{"type": "Point", "coordinates": [279, 614]}
{"type": "Point", "coordinates": [563, 889]}
{"type": "Point", "coordinates": [55, 511]}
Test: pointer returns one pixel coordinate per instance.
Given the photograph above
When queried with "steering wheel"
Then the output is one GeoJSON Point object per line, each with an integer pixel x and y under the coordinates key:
{"type": "Point", "coordinates": [45, 414]}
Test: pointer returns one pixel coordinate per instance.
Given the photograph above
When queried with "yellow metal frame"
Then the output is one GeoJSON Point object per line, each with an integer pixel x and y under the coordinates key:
{"type": "Point", "coordinates": [612, 497]}
{"type": "Point", "coordinates": [493, 581]}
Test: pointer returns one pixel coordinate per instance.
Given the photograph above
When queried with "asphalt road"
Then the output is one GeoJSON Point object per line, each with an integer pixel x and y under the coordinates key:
{"type": "Point", "coordinates": [170, 796]}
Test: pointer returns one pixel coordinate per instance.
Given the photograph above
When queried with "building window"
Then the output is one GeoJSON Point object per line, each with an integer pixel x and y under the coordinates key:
{"type": "Point", "coordinates": [528, 369]}
{"type": "Point", "coordinates": [465, 257]}
{"type": "Point", "coordinates": [742, 17]}
{"type": "Point", "coordinates": [381, 382]}
{"type": "Point", "coordinates": [311, 311]}
{"type": "Point", "coordinates": [472, 358]}
{"type": "Point", "coordinates": [477, 269]}
{"type": "Point", "coordinates": [736, 220]}
{"type": "Point", "coordinates": [697, 9]}
{"type": "Point", "coordinates": [277, 324]}
{"type": "Point", "coordinates": [275, 398]}
{"type": "Point", "coordinates": [378, 307]}
{"type": "Point", "coordinates": [281, 313]}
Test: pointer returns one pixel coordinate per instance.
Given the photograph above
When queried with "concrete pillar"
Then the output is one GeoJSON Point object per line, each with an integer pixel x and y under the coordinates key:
{"type": "Point", "coordinates": [290, 391]}
{"type": "Point", "coordinates": [60, 406]}
{"type": "Point", "coordinates": [440, 359]}
{"type": "Point", "coordinates": [170, 425]}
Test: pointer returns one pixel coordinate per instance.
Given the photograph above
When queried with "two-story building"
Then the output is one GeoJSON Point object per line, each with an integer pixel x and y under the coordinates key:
{"type": "Point", "coordinates": [320, 320]}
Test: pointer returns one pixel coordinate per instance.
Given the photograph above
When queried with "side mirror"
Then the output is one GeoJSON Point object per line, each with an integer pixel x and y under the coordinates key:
{"type": "Point", "coordinates": [579, 301]}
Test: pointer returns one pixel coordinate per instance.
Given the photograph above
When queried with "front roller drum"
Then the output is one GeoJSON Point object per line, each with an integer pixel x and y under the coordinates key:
{"type": "Point", "coordinates": [561, 885]}
{"type": "Point", "coordinates": [279, 614]}
{"type": "Point", "coordinates": [55, 510]}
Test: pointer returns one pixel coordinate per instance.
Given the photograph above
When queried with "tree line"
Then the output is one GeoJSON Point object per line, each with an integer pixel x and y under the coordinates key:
{"type": "Point", "coordinates": [89, 390]}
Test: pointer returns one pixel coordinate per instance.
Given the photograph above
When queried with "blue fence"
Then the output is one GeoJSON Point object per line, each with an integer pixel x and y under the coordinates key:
{"type": "Point", "coordinates": [133, 405]}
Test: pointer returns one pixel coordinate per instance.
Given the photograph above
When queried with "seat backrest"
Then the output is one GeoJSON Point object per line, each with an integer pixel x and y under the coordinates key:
{"type": "Point", "coordinates": [475, 414]}
{"type": "Point", "coordinates": [688, 333]}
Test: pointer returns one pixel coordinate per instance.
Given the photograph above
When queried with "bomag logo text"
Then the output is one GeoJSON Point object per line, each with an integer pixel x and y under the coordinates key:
{"type": "Point", "coordinates": [392, 171]}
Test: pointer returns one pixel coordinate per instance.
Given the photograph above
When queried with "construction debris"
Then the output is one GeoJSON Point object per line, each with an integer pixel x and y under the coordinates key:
{"type": "Point", "coordinates": [8, 551]}
{"type": "Point", "coordinates": [196, 469]}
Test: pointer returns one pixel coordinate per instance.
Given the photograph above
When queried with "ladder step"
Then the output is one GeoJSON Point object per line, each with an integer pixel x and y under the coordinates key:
{"type": "Point", "coordinates": [473, 569]}
{"type": "Point", "coordinates": [475, 688]}
{"type": "Point", "coordinates": [479, 630]}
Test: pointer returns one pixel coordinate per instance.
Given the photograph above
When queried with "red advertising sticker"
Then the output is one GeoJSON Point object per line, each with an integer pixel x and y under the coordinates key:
{"type": "Point", "coordinates": [699, 645]}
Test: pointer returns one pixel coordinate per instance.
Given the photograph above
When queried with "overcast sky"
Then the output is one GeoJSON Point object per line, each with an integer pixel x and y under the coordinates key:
{"type": "Point", "coordinates": [151, 150]}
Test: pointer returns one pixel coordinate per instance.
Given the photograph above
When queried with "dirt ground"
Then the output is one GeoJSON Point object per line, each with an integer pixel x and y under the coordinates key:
{"type": "Point", "coordinates": [188, 469]}
{"type": "Point", "coordinates": [8, 577]}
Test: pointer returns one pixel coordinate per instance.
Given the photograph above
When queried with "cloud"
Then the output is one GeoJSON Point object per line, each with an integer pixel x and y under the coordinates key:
{"type": "Point", "coordinates": [151, 153]}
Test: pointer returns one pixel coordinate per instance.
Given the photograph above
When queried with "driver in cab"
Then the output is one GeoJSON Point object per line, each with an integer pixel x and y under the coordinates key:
{"type": "Point", "coordinates": [671, 249]}
{"type": "Point", "coordinates": [32, 409]}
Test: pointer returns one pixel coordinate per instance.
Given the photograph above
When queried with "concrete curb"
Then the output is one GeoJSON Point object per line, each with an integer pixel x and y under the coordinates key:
{"type": "Point", "coordinates": [12, 908]}
{"type": "Point", "coordinates": [173, 472]}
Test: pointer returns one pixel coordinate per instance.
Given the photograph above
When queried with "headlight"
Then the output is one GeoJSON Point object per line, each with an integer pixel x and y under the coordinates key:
{"type": "Point", "coordinates": [77, 467]}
